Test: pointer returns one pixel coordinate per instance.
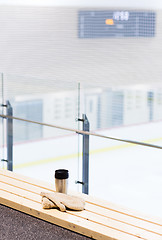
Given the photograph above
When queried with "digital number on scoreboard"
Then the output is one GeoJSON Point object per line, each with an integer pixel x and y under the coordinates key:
{"type": "Point", "coordinates": [102, 24]}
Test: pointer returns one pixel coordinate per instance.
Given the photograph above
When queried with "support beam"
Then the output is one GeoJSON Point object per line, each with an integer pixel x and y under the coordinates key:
{"type": "Point", "coordinates": [9, 137]}
{"type": "Point", "coordinates": [85, 164]}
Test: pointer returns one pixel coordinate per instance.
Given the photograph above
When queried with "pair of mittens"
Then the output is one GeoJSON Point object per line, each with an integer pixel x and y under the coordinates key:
{"type": "Point", "coordinates": [62, 201]}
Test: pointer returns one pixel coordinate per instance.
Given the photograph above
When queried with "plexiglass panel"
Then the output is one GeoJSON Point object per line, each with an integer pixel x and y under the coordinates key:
{"type": "Point", "coordinates": [37, 100]}
{"type": "Point", "coordinates": [39, 158]}
{"type": "Point", "coordinates": [127, 174]}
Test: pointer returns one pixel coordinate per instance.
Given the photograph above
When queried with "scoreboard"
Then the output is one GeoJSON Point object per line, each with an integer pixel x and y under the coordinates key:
{"type": "Point", "coordinates": [116, 24]}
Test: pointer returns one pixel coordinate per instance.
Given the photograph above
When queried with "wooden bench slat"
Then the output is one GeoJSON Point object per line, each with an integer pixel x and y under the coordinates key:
{"type": "Point", "coordinates": [26, 186]}
{"type": "Point", "coordinates": [85, 215]}
{"type": "Point", "coordinates": [123, 227]}
{"type": "Point", "coordinates": [25, 179]}
{"type": "Point", "coordinates": [20, 192]}
{"type": "Point", "coordinates": [89, 206]}
{"type": "Point", "coordinates": [62, 219]}
{"type": "Point", "coordinates": [124, 218]}
{"type": "Point", "coordinates": [106, 221]}
{"type": "Point", "coordinates": [97, 212]}
{"type": "Point", "coordinates": [98, 202]}
{"type": "Point", "coordinates": [119, 209]}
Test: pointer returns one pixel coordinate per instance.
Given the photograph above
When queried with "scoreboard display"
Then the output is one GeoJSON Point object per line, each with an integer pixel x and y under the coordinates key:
{"type": "Point", "coordinates": [116, 24]}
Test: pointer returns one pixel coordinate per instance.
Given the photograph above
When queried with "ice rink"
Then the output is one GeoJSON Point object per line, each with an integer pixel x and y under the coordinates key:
{"type": "Point", "coordinates": [121, 173]}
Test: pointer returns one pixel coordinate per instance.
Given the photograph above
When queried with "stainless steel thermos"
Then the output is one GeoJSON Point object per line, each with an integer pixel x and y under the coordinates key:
{"type": "Point", "coordinates": [61, 180]}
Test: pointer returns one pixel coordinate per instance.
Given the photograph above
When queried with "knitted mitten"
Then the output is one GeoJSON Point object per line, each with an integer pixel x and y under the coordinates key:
{"type": "Point", "coordinates": [47, 204]}
{"type": "Point", "coordinates": [61, 200]}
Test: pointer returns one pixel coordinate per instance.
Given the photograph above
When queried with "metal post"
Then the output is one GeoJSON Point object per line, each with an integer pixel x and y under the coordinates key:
{"type": "Point", "coordinates": [85, 166]}
{"type": "Point", "coordinates": [9, 137]}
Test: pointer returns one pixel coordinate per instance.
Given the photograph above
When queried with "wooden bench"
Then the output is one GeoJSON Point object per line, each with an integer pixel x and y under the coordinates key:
{"type": "Point", "coordinates": [99, 220]}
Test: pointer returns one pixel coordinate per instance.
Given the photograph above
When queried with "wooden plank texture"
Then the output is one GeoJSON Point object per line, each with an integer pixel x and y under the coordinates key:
{"type": "Point", "coordinates": [99, 220]}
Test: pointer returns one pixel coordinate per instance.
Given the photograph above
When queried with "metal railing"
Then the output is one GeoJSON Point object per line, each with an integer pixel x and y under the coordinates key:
{"type": "Point", "coordinates": [85, 133]}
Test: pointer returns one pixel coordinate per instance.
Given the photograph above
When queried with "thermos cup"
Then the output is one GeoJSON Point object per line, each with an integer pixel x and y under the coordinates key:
{"type": "Point", "coordinates": [61, 180]}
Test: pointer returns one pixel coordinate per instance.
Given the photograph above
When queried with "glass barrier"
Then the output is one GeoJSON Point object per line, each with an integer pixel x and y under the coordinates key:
{"type": "Point", "coordinates": [39, 158]}
{"type": "Point", "coordinates": [42, 101]}
{"type": "Point", "coordinates": [108, 108]}
{"type": "Point", "coordinates": [128, 174]}
{"type": "Point", "coordinates": [51, 103]}
{"type": "Point", "coordinates": [120, 172]}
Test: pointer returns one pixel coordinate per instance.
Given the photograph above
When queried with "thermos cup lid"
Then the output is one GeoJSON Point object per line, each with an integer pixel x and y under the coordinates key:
{"type": "Point", "coordinates": [61, 174]}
